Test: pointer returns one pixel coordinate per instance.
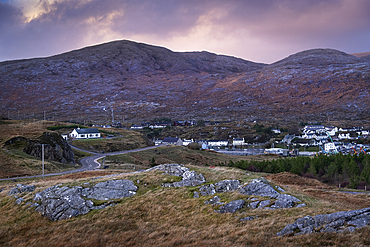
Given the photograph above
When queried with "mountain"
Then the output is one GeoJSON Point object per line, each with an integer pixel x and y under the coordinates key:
{"type": "Point", "coordinates": [141, 81]}
{"type": "Point", "coordinates": [363, 55]}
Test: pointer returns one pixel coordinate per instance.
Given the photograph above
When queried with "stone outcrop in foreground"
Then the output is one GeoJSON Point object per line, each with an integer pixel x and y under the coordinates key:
{"type": "Point", "coordinates": [59, 203]}
{"type": "Point", "coordinates": [189, 178]}
{"type": "Point", "coordinates": [335, 222]}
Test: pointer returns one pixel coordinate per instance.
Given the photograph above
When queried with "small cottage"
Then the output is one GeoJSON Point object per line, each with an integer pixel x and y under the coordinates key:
{"type": "Point", "coordinates": [85, 133]}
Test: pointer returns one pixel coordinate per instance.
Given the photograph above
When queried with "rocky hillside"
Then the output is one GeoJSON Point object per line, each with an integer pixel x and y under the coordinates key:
{"type": "Point", "coordinates": [141, 81]}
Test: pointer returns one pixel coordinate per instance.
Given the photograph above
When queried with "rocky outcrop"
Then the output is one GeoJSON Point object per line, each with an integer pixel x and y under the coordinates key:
{"type": "Point", "coordinates": [59, 202]}
{"type": "Point", "coordinates": [55, 148]}
{"type": "Point", "coordinates": [21, 188]}
{"type": "Point", "coordinates": [259, 187]}
{"type": "Point", "coordinates": [231, 207]}
{"type": "Point", "coordinates": [189, 178]}
{"type": "Point", "coordinates": [219, 187]}
{"type": "Point", "coordinates": [335, 222]}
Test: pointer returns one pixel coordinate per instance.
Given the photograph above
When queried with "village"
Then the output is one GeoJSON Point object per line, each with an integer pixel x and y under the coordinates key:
{"type": "Point", "coordinates": [311, 140]}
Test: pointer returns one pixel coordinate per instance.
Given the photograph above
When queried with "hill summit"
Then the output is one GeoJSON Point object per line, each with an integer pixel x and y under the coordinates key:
{"type": "Point", "coordinates": [140, 81]}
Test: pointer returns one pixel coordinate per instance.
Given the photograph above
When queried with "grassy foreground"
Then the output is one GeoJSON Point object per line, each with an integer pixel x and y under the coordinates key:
{"type": "Point", "coordinates": [159, 216]}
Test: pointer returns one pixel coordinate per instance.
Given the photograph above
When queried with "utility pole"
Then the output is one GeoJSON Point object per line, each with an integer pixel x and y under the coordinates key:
{"type": "Point", "coordinates": [112, 116]}
{"type": "Point", "coordinates": [44, 115]}
{"type": "Point", "coordinates": [43, 167]}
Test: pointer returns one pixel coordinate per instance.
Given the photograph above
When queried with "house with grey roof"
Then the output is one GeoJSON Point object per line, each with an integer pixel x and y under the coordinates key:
{"type": "Point", "coordinates": [85, 133]}
{"type": "Point", "coordinates": [172, 141]}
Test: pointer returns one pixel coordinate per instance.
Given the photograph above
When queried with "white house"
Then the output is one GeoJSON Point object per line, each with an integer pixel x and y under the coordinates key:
{"type": "Point", "coordinates": [186, 142]}
{"type": "Point", "coordinates": [238, 141]}
{"type": "Point", "coordinates": [136, 127]}
{"type": "Point", "coordinates": [85, 133]}
{"type": "Point", "coordinates": [329, 147]}
{"type": "Point", "coordinates": [276, 131]}
{"type": "Point", "coordinates": [331, 130]}
{"type": "Point", "coordinates": [218, 143]}
{"type": "Point", "coordinates": [344, 136]}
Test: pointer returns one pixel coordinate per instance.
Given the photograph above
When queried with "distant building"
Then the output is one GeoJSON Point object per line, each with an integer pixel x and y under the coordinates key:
{"type": "Point", "coordinates": [85, 133]}
{"type": "Point", "coordinates": [276, 131]}
{"type": "Point", "coordinates": [238, 141]}
{"type": "Point", "coordinates": [218, 143]}
{"type": "Point", "coordinates": [329, 147]}
{"type": "Point", "coordinates": [136, 127]}
{"type": "Point", "coordinates": [172, 141]}
{"type": "Point", "coordinates": [186, 142]}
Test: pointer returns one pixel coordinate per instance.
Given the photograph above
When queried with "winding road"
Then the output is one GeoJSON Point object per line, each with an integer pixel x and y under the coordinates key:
{"type": "Point", "coordinates": [88, 163]}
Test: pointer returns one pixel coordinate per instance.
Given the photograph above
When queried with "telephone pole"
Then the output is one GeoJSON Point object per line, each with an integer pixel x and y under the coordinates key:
{"type": "Point", "coordinates": [112, 116]}
{"type": "Point", "coordinates": [43, 167]}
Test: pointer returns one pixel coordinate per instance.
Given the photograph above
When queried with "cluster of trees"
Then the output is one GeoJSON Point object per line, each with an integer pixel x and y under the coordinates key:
{"type": "Point", "coordinates": [347, 170]}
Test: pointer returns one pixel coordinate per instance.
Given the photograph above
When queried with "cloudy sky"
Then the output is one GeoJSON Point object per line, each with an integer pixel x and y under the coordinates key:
{"type": "Point", "coordinates": [256, 30]}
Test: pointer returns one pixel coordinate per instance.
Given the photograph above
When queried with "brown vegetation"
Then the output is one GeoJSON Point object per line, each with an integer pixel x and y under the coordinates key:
{"type": "Point", "coordinates": [159, 216]}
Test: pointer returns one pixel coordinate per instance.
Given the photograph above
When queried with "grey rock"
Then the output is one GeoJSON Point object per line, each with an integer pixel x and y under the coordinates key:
{"type": "Point", "coordinates": [189, 178]}
{"type": "Point", "coordinates": [301, 205]}
{"type": "Point", "coordinates": [259, 187]}
{"type": "Point", "coordinates": [285, 201]}
{"type": "Point", "coordinates": [231, 207]}
{"type": "Point", "coordinates": [253, 205]}
{"type": "Point", "coordinates": [196, 194]}
{"type": "Point", "coordinates": [214, 201]}
{"type": "Point", "coordinates": [227, 186]}
{"type": "Point", "coordinates": [208, 189]}
{"type": "Point", "coordinates": [112, 189]}
{"type": "Point", "coordinates": [58, 203]}
{"type": "Point", "coordinates": [21, 188]}
{"type": "Point", "coordinates": [248, 218]}
{"type": "Point", "coordinates": [335, 222]}
{"type": "Point", "coordinates": [264, 204]}
{"type": "Point", "coordinates": [19, 200]}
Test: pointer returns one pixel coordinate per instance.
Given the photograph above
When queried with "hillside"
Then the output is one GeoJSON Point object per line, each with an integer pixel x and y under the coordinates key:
{"type": "Point", "coordinates": [140, 81]}
{"type": "Point", "coordinates": [165, 216]}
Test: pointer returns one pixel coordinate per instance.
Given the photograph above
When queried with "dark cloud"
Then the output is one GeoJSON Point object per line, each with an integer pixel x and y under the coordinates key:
{"type": "Point", "coordinates": [260, 30]}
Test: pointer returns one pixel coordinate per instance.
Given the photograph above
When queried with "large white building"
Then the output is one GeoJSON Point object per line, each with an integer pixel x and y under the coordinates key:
{"type": "Point", "coordinates": [85, 133]}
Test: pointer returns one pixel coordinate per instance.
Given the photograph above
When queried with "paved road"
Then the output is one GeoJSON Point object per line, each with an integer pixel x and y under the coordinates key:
{"type": "Point", "coordinates": [88, 163]}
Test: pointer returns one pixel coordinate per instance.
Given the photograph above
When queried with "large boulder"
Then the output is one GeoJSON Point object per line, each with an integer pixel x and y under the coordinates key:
{"type": "Point", "coordinates": [259, 187]}
{"type": "Point", "coordinates": [227, 186]}
{"type": "Point", "coordinates": [219, 187]}
{"type": "Point", "coordinates": [231, 207]}
{"type": "Point", "coordinates": [59, 202]}
{"type": "Point", "coordinates": [335, 222]}
{"type": "Point", "coordinates": [189, 178]}
{"type": "Point", "coordinates": [111, 189]}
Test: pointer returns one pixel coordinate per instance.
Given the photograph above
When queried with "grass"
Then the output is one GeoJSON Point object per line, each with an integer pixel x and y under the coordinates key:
{"type": "Point", "coordinates": [180, 155]}
{"type": "Point", "coordinates": [160, 216]}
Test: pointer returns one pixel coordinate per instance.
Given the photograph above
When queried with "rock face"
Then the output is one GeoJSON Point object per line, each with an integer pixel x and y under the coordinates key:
{"type": "Point", "coordinates": [59, 203]}
{"type": "Point", "coordinates": [189, 178]}
{"type": "Point", "coordinates": [335, 222]}
{"type": "Point", "coordinates": [55, 148]}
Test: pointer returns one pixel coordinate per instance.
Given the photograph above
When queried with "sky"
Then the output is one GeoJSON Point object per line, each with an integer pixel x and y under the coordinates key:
{"type": "Point", "coordinates": [256, 30]}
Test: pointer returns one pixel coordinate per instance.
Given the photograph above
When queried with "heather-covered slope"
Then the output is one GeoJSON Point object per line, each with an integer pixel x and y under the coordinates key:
{"type": "Point", "coordinates": [141, 81]}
